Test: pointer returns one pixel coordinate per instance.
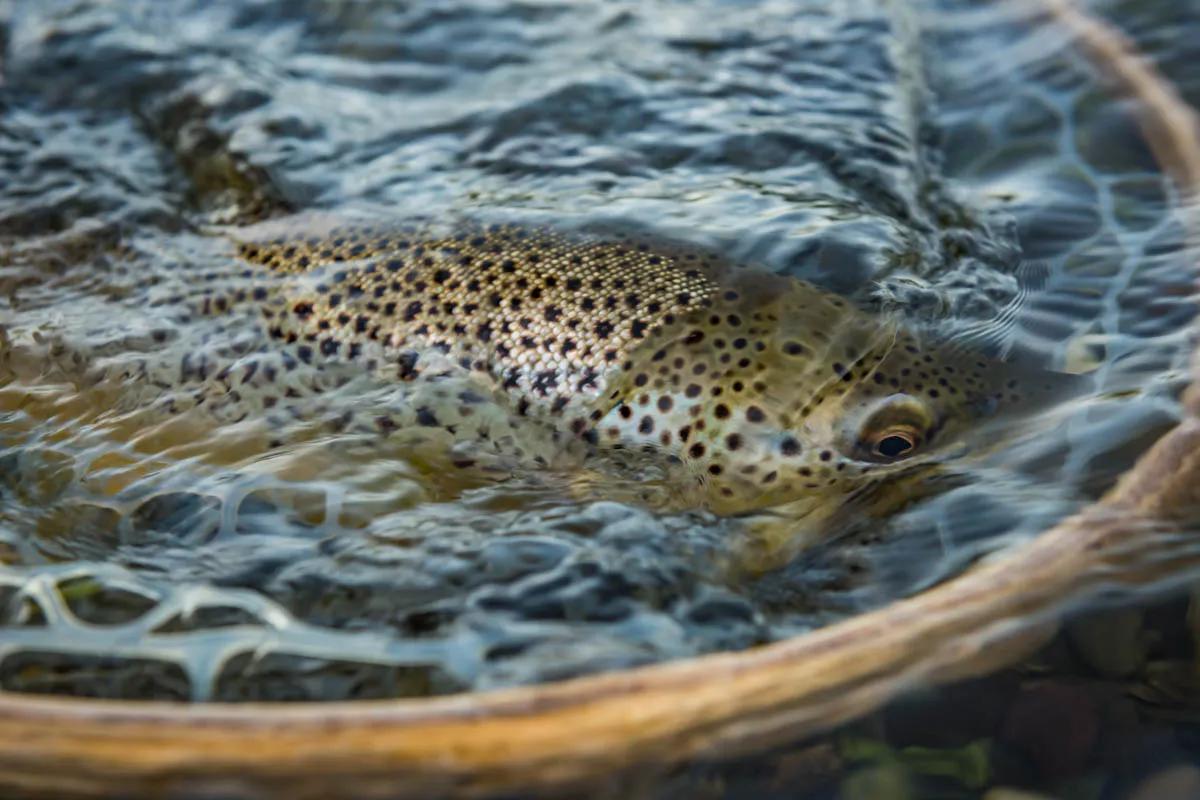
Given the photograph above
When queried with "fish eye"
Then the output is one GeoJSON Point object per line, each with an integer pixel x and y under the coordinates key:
{"type": "Point", "coordinates": [893, 429]}
{"type": "Point", "coordinates": [895, 443]}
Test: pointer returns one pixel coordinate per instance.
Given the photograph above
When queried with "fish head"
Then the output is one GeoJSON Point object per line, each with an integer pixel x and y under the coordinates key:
{"type": "Point", "coordinates": [793, 409]}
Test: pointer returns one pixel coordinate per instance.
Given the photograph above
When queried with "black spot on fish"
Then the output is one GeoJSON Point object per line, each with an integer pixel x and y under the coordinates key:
{"type": "Point", "coordinates": [406, 364]}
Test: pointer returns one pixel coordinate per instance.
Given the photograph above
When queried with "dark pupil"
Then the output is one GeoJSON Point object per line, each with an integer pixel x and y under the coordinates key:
{"type": "Point", "coordinates": [892, 446]}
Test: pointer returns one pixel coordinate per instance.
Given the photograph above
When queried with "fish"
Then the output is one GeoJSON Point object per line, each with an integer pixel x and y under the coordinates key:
{"type": "Point", "coordinates": [761, 397]}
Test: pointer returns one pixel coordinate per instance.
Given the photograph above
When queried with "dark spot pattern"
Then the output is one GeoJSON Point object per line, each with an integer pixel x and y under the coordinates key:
{"type": "Point", "coordinates": [624, 343]}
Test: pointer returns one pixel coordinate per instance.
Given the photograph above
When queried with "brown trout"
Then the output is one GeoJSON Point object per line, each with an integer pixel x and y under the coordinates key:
{"type": "Point", "coordinates": [764, 396]}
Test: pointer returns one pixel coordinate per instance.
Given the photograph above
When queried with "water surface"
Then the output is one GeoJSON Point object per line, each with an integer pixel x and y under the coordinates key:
{"type": "Point", "coordinates": [912, 159]}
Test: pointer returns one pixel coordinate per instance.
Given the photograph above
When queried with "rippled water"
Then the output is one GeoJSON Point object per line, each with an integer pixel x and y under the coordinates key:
{"type": "Point", "coordinates": [910, 158]}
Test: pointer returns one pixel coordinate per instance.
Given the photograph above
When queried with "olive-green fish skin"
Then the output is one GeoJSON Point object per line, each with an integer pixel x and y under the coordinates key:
{"type": "Point", "coordinates": [766, 391]}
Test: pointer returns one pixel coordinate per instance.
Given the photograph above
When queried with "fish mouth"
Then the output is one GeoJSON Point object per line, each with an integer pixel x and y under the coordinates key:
{"type": "Point", "coordinates": [773, 536]}
{"type": "Point", "coordinates": [899, 489]}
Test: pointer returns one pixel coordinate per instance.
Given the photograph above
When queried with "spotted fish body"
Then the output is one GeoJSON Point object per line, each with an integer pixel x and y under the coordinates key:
{"type": "Point", "coordinates": [757, 388]}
